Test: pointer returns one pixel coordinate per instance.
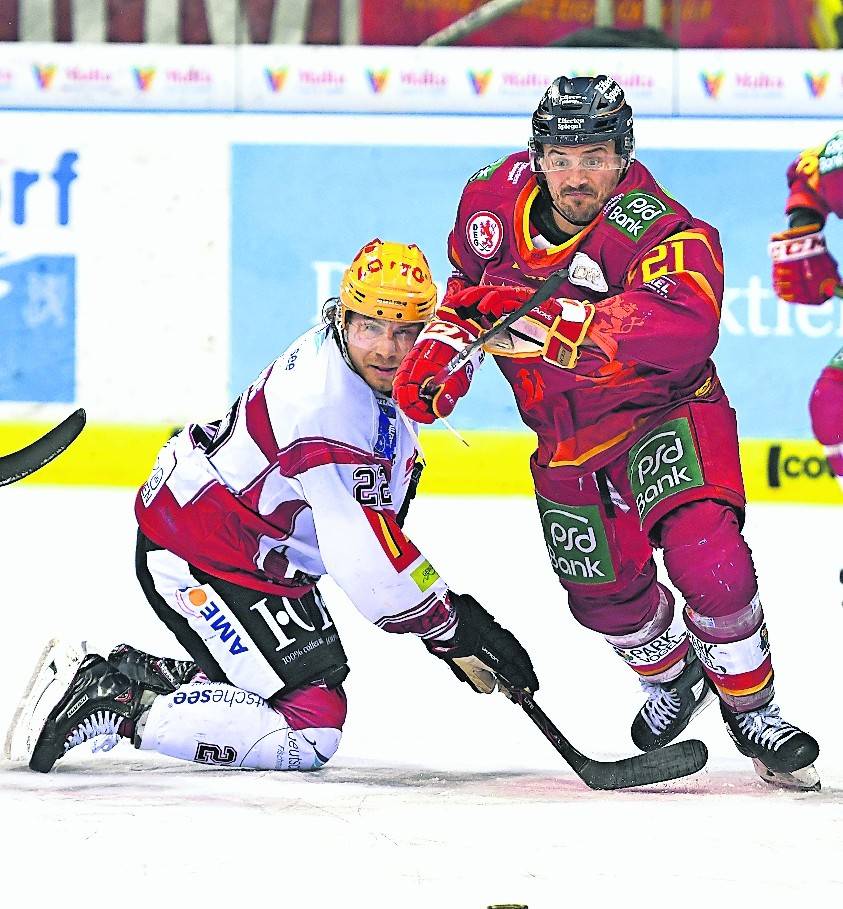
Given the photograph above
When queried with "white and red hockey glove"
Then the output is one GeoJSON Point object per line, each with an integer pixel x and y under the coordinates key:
{"type": "Point", "coordinates": [554, 330]}
{"type": "Point", "coordinates": [803, 269]}
{"type": "Point", "coordinates": [440, 341]}
{"type": "Point", "coordinates": [481, 649]}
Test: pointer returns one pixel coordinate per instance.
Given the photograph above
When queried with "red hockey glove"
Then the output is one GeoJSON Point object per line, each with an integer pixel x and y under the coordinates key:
{"type": "Point", "coordinates": [556, 327]}
{"type": "Point", "coordinates": [441, 340]}
{"type": "Point", "coordinates": [803, 269]}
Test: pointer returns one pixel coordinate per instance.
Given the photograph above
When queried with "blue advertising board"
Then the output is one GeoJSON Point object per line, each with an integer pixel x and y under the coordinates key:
{"type": "Point", "coordinates": [299, 212]}
{"type": "Point", "coordinates": [38, 337]}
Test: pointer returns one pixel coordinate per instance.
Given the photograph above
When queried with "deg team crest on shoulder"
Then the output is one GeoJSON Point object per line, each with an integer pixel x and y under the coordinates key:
{"type": "Point", "coordinates": [484, 233]}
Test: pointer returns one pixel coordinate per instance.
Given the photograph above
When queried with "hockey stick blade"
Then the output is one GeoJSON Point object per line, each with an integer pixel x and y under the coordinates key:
{"type": "Point", "coordinates": [548, 288]}
{"type": "Point", "coordinates": [20, 464]}
{"type": "Point", "coordinates": [668, 763]}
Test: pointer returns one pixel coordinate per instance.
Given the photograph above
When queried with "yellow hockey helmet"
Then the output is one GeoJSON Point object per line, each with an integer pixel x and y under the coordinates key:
{"type": "Point", "coordinates": [388, 281]}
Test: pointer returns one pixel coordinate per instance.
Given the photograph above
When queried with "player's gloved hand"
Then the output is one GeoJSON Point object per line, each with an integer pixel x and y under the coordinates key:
{"type": "Point", "coordinates": [803, 269]}
{"type": "Point", "coordinates": [440, 341]}
{"type": "Point", "coordinates": [558, 326]}
{"type": "Point", "coordinates": [481, 648]}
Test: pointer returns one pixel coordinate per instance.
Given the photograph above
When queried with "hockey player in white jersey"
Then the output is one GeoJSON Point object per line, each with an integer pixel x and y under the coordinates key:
{"type": "Point", "coordinates": [310, 473]}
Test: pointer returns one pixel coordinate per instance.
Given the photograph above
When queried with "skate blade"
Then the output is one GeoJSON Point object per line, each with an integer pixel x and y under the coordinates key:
{"type": "Point", "coordinates": [806, 779]}
{"type": "Point", "coordinates": [705, 698]}
{"type": "Point", "coordinates": [55, 668]}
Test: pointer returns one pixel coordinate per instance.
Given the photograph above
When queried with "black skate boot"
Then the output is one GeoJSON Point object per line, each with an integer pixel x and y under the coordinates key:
{"type": "Point", "coordinates": [98, 701]}
{"type": "Point", "coordinates": [159, 674]}
{"type": "Point", "coordinates": [782, 753]}
{"type": "Point", "coordinates": [670, 706]}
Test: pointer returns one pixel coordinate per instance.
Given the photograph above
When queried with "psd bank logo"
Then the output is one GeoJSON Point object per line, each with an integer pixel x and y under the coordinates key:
{"type": "Point", "coordinates": [276, 78]}
{"type": "Point", "coordinates": [378, 79]}
{"type": "Point", "coordinates": [44, 75]}
{"type": "Point", "coordinates": [712, 83]}
{"type": "Point", "coordinates": [479, 80]}
{"type": "Point", "coordinates": [143, 77]}
{"type": "Point", "coordinates": [817, 84]}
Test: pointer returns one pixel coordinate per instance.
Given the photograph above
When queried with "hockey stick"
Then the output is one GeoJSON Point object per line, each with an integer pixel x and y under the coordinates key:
{"type": "Point", "coordinates": [668, 763]}
{"type": "Point", "coordinates": [546, 291]}
{"type": "Point", "coordinates": [20, 464]}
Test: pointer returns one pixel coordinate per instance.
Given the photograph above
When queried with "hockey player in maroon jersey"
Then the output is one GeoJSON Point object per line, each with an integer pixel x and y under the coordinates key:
{"type": "Point", "coordinates": [637, 443]}
{"type": "Point", "coordinates": [805, 272]}
{"type": "Point", "coordinates": [305, 476]}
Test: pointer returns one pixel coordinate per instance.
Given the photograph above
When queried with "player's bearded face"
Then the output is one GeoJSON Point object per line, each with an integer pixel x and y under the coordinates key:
{"type": "Point", "coordinates": [376, 348]}
{"type": "Point", "coordinates": [580, 180]}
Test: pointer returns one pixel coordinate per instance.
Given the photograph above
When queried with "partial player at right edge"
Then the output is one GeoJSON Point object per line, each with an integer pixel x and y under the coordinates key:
{"type": "Point", "coordinates": [805, 272]}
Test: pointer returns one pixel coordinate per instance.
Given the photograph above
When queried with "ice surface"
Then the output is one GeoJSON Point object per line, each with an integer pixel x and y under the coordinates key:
{"type": "Point", "coordinates": [437, 796]}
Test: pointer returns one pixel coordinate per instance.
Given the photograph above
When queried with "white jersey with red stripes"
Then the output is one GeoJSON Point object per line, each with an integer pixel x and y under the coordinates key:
{"type": "Point", "coordinates": [303, 477]}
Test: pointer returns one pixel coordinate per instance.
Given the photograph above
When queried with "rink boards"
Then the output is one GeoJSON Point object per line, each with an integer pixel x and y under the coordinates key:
{"type": "Point", "coordinates": [151, 264]}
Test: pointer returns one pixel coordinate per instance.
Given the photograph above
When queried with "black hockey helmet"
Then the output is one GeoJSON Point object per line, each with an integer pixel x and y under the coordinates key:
{"type": "Point", "coordinates": [583, 110]}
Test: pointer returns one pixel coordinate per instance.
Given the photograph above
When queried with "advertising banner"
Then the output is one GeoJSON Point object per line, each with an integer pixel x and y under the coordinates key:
{"type": "Point", "coordinates": [113, 265]}
{"type": "Point", "coordinates": [759, 83]}
{"type": "Point", "coordinates": [438, 79]}
{"type": "Point", "coordinates": [770, 352]}
{"type": "Point", "coordinates": [116, 76]}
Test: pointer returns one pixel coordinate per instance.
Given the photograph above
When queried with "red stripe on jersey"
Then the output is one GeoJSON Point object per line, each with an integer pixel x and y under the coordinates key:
{"type": "Point", "coordinates": [400, 551]}
{"type": "Point", "coordinates": [303, 454]}
{"type": "Point", "coordinates": [259, 426]}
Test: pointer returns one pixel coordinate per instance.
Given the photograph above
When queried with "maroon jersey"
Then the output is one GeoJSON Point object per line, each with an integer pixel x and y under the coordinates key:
{"type": "Point", "coordinates": [815, 179]}
{"type": "Point", "coordinates": [655, 275]}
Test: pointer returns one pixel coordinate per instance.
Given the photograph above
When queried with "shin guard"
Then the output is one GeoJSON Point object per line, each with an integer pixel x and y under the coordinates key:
{"type": "Point", "coordinates": [735, 653]}
{"type": "Point", "coordinates": [657, 651]}
{"type": "Point", "coordinates": [215, 723]}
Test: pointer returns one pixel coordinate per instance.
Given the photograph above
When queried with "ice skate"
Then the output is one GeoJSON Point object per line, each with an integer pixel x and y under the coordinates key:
{"type": "Point", "coordinates": [159, 674]}
{"type": "Point", "coordinates": [782, 754]}
{"type": "Point", "coordinates": [96, 701]}
{"type": "Point", "coordinates": [52, 674]}
{"type": "Point", "coordinates": [670, 706]}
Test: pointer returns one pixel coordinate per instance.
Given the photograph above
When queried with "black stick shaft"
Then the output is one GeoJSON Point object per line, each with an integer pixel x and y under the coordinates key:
{"type": "Point", "coordinates": [20, 464]}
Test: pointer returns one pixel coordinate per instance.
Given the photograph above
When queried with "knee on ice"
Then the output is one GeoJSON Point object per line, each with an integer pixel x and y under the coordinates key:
{"type": "Point", "coordinates": [308, 749]}
{"type": "Point", "coordinates": [315, 717]}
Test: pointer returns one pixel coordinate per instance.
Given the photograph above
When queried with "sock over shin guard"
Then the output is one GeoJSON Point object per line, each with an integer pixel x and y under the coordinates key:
{"type": "Point", "coordinates": [708, 560]}
{"type": "Point", "coordinates": [657, 651]}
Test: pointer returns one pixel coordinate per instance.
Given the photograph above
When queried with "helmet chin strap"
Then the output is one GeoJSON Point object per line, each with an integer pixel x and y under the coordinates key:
{"type": "Point", "coordinates": [339, 333]}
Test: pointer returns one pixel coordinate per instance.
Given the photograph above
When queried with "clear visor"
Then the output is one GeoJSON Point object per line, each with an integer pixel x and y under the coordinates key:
{"type": "Point", "coordinates": [554, 158]}
{"type": "Point", "coordinates": [367, 332]}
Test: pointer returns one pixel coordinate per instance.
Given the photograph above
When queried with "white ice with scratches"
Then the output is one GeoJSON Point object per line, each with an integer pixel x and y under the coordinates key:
{"type": "Point", "coordinates": [437, 797]}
